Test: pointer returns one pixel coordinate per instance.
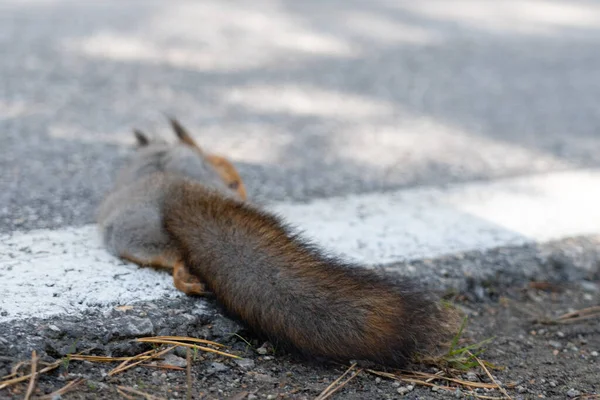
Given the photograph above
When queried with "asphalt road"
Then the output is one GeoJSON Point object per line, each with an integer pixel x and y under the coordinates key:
{"type": "Point", "coordinates": [311, 98]}
{"type": "Point", "coordinates": [385, 102]}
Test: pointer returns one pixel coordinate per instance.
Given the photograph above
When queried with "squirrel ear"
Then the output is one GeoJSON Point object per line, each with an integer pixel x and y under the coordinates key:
{"type": "Point", "coordinates": [182, 133]}
{"type": "Point", "coordinates": [141, 138]}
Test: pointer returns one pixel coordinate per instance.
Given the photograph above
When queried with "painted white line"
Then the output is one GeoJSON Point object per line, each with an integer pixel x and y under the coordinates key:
{"type": "Point", "coordinates": [45, 273]}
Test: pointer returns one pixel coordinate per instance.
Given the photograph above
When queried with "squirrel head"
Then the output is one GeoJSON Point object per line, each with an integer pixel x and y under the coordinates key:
{"type": "Point", "coordinates": [183, 158]}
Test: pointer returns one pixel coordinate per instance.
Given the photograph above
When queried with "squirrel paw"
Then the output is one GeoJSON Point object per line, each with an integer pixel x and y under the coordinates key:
{"type": "Point", "coordinates": [186, 282]}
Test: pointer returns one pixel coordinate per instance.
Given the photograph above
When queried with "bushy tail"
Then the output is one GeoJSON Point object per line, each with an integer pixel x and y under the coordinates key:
{"type": "Point", "coordinates": [286, 289]}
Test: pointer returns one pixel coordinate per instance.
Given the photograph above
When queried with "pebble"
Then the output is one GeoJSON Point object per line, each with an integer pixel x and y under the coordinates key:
{"type": "Point", "coordinates": [378, 380]}
{"type": "Point", "coordinates": [271, 397]}
{"type": "Point", "coordinates": [265, 378]}
{"type": "Point", "coordinates": [245, 363]}
{"type": "Point", "coordinates": [553, 384]}
{"type": "Point", "coordinates": [573, 393]}
{"type": "Point", "coordinates": [405, 389]}
{"type": "Point", "coordinates": [472, 377]}
{"type": "Point", "coordinates": [594, 354]}
{"type": "Point", "coordinates": [252, 397]}
{"type": "Point", "coordinates": [262, 351]}
{"type": "Point", "coordinates": [560, 334]}
{"type": "Point", "coordinates": [396, 384]}
{"type": "Point", "coordinates": [555, 344]}
{"type": "Point", "coordinates": [216, 367]}
{"type": "Point", "coordinates": [172, 359]}
{"type": "Point", "coordinates": [521, 389]}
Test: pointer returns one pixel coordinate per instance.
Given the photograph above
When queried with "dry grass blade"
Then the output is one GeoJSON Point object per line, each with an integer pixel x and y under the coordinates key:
{"type": "Point", "coordinates": [124, 390]}
{"type": "Point", "coordinates": [426, 377]}
{"type": "Point", "coordinates": [164, 366]}
{"type": "Point", "coordinates": [192, 346]}
{"type": "Point", "coordinates": [31, 386]}
{"type": "Point", "coordinates": [142, 356]}
{"type": "Point", "coordinates": [14, 371]}
{"type": "Point", "coordinates": [122, 368]}
{"type": "Point", "coordinates": [330, 390]}
{"type": "Point", "coordinates": [188, 373]}
{"type": "Point", "coordinates": [79, 357]}
{"type": "Point", "coordinates": [12, 381]}
{"type": "Point", "coordinates": [579, 315]}
{"type": "Point", "coordinates": [69, 386]}
{"type": "Point", "coordinates": [122, 393]}
{"type": "Point", "coordinates": [179, 339]}
{"type": "Point", "coordinates": [573, 316]}
{"type": "Point", "coordinates": [491, 377]}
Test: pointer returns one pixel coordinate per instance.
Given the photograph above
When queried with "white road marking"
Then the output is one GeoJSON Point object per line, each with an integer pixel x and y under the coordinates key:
{"type": "Point", "coordinates": [45, 273]}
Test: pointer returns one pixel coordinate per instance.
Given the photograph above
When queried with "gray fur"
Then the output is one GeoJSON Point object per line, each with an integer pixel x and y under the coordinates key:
{"type": "Point", "coordinates": [129, 218]}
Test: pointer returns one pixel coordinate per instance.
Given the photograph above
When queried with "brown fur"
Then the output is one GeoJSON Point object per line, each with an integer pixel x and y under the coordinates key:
{"type": "Point", "coordinates": [175, 206]}
{"type": "Point", "coordinates": [284, 288]}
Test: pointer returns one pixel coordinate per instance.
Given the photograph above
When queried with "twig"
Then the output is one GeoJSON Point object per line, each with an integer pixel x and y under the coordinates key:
{"type": "Point", "coordinates": [147, 396]}
{"type": "Point", "coordinates": [189, 374]}
{"type": "Point", "coordinates": [328, 392]}
{"type": "Point", "coordinates": [179, 339]}
{"type": "Point", "coordinates": [12, 381]}
{"type": "Point", "coordinates": [31, 386]}
{"type": "Point", "coordinates": [69, 386]}
{"type": "Point", "coordinates": [164, 366]}
{"type": "Point", "coordinates": [583, 311]}
{"type": "Point", "coordinates": [573, 316]}
{"type": "Point", "coordinates": [207, 349]}
{"type": "Point", "coordinates": [490, 376]}
{"type": "Point", "coordinates": [122, 393]}
{"type": "Point", "coordinates": [417, 375]}
{"type": "Point", "coordinates": [128, 366]}
{"type": "Point", "coordinates": [145, 356]}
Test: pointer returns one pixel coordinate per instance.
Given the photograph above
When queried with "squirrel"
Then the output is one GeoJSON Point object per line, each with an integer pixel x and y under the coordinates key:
{"type": "Point", "coordinates": [178, 207]}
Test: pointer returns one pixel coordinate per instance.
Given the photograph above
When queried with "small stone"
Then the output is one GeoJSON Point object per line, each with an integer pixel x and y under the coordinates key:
{"type": "Point", "coordinates": [172, 359]}
{"type": "Point", "coordinates": [555, 344]}
{"type": "Point", "coordinates": [265, 378]}
{"type": "Point", "coordinates": [594, 354]}
{"type": "Point", "coordinates": [378, 380]}
{"type": "Point", "coordinates": [435, 388]}
{"type": "Point", "coordinates": [403, 390]}
{"type": "Point", "coordinates": [245, 363]}
{"type": "Point", "coordinates": [252, 397]}
{"type": "Point", "coordinates": [573, 392]}
{"type": "Point", "coordinates": [458, 393]}
{"type": "Point", "coordinates": [396, 384]}
{"type": "Point", "coordinates": [130, 326]}
{"type": "Point", "coordinates": [262, 350]}
{"type": "Point", "coordinates": [216, 367]}
{"type": "Point", "coordinates": [553, 384]}
{"type": "Point", "coordinates": [472, 377]}
{"type": "Point", "coordinates": [521, 389]}
{"type": "Point", "coordinates": [267, 358]}
{"type": "Point", "coordinates": [560, 334]}
{"type": "Point", "coordinates": [271, 397]}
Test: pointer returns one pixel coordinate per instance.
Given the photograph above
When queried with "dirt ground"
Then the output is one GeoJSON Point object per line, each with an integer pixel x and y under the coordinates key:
{"type": "Point", "coordinates": [539, 360]}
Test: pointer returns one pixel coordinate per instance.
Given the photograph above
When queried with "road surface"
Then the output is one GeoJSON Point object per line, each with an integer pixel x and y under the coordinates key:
{"type": "Point", "coordinates": [454, 142]}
